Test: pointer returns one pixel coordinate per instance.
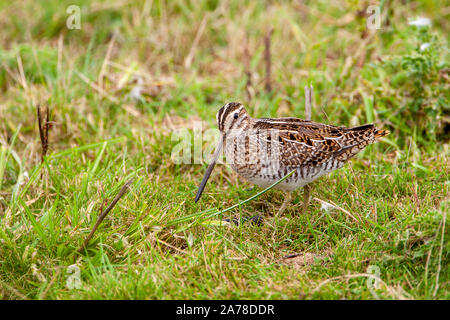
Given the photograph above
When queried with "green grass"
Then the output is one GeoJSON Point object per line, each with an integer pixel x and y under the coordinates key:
{"type": "Point", "coordinates": [396, 189]}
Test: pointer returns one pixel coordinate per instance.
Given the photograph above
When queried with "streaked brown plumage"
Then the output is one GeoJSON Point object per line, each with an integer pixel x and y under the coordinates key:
{"type": "Point", "coordinates": [264, 150]}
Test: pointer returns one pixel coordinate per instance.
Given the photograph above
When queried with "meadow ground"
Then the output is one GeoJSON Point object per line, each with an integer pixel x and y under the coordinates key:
{"type": "Point", "coordinates": [136, 71]}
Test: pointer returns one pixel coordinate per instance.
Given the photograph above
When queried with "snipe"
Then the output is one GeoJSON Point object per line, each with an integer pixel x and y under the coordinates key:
{"type": "Point", "coordinates": [262, 151]}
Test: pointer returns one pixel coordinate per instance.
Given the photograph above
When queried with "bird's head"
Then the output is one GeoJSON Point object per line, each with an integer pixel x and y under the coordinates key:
{"type": "Point", "coordinates": [231, 116]}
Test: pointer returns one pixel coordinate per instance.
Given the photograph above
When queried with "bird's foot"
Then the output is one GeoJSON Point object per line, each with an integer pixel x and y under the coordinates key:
{"type": "Point", "coordinates": [306, 196]}
{"type": "Point", "coordinates": [287, 201]}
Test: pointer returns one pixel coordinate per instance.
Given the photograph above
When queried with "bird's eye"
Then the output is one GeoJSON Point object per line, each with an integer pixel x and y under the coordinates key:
{"type": "Point", "coordinates": [236, 115]}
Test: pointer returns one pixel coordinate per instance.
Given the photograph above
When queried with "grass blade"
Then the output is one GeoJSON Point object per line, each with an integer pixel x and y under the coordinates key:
{"type": "Point", "coordinates": [204, 214]}
{"type": "Point", "coordinates": [85, 147]}
{"type": "Point", "coordinates": [36, 225]}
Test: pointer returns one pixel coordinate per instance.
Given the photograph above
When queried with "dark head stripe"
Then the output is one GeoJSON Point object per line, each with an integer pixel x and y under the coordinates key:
{"type": "Point", "coordinates": [232, 106]}
{"type": "Point", "coordinates": [220, 115]}
{"type": "Point", "coordinates": [225, 111]}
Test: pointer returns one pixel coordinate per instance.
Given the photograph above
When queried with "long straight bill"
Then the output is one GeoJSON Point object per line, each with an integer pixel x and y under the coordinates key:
{"type": "Point", "coordinates": [209, 170]}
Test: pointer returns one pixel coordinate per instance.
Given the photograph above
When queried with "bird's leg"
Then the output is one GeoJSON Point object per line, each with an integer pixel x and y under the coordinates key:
{"type": "Point", "coordinates": [306, 194]}
{"type": "Point", "coordinates": [287, 200]}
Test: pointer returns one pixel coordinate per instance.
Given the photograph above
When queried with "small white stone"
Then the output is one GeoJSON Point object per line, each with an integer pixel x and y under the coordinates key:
{"type": "Point", "coordinates": [420, 22]}
{"type": "Point", "coordinates": [424, 46]}
{"type": "Point", "coordinates": [326, 206]}
{"type": "Point", "coordinates": [135, 93]}
{"type": "Point", "coordinates": [24, 178]}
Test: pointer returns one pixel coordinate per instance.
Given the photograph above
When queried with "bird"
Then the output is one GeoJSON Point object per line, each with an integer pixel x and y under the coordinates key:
{"type": "Point", "coordinates": [264, 150]}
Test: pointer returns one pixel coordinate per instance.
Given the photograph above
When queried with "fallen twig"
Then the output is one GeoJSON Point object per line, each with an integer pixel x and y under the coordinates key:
{"type": "Point", "coordinates": [104, 213]}
{"type": "Point", "coordinates": [13, 290]}
{"type": "Point", "coordinates": [94, 86]}
{"type": "Point", "coordinates": [268, 84]}
{"type": "Point", "coordinates": [333, 205]}
{"type": "Point", "coordinates": [247, 70]}
{"type": "Point", "coordinates": [43, 130]}
{"type": "Point", "coordinates": [391, 290]}
{"type": "Point", "coordinates": [190, 56]}
{"type": "Point", "coordinates": [105, 61]}
{"type": "Point", "coordinates": [444, 219]}
{"type": "Point", "coordinates": [309, 94]}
